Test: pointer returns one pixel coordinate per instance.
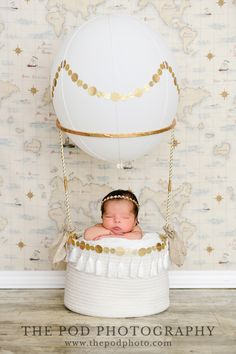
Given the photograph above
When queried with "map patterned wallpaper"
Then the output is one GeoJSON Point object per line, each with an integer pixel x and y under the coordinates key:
{"type": "Point", "coordinates": [202, 35]}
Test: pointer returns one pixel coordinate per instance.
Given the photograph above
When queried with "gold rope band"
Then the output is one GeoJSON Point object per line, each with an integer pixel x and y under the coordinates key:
{"type": "Point", "coordinates": [116, 135]}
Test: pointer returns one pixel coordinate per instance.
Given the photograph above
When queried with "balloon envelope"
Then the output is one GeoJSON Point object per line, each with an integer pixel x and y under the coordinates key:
{"type": "Point", "coordinates": [114, 75]}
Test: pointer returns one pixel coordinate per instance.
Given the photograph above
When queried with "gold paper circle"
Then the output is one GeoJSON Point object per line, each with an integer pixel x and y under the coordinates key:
{"type": "Point", "coordinates": [92, 91]}
{"type": "Point", "coordinates": [82, 246]}
{"type": "Point", "coordinates": [158, 246]}
{"type": "Point", "coordinates": [74, 77]}
{"type": "Point", "coordinates": [98, 249]}
{"type": "Point", "coordinates": [138, 92]}
{"type": "Point", "coordinates": [142, 251]}
{"type": "Point", "coordinates": [120, 251]}
{"type": "Point", "coordinates": [115, 96]}
{"type": "Point", "coordinates": [156, 78]}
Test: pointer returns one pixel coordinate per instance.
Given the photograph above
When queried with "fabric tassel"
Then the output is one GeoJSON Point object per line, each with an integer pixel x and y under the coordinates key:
{"type": "Point", "coordinates": [160, 264]}
{"type": "Point", "coordinates": [133, 269]}
{"type": "Point", "coordinates": [141, 270]}
{"type": "Point", "coordinates": [109, 272]}
{"type": "Point", "coordinates": [166, 261]}
{"type": "Point", "coordinates": [153, 270]}
{"type": "Point", "coordinates": [121, 270]}
{"type": "Point", "coordinates": [81, 262]}
{"type": "Point", "coordinates": [99, 267]}
{"type": "Point", "coordinates": [177, 247]}
{"type": "Point", "coordinates": [89, 268]}
{"type": "Point", "coordinates": [57, 250]}
{"type": "Point", "coordinates": [110, 269]}
{"type": "Point", "coordinates": [67, 257]}
{"type": "Point", "coordinates": [73, 255]}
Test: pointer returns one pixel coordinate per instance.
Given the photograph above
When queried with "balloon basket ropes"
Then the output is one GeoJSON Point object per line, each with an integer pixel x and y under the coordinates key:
{"type": "Point", "coordinates": [107, 282]}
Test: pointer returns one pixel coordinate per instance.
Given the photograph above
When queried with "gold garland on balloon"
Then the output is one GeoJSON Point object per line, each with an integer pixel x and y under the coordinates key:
{"type": "Point", "coordinates": [114, 96]}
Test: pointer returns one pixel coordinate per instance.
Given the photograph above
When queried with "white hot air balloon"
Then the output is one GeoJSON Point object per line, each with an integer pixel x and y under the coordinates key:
{"type": "Point", "coordinates": [114, 88]}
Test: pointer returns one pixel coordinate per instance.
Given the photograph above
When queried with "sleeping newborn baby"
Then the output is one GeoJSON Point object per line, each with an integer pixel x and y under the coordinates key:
{"type": "Point", "coordinates": [119, 217]}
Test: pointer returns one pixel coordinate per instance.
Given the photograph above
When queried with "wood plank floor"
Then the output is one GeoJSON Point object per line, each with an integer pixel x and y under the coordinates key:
{"type": "Point", "coordinates": [199, 310]}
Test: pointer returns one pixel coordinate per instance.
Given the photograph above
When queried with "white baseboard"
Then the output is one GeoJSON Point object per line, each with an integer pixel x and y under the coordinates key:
{"type": "Point", "coordinates": [178, 279]}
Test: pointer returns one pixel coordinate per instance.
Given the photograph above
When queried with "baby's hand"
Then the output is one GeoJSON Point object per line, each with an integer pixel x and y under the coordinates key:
{"type": "Point", "coordinates": [94, 231]}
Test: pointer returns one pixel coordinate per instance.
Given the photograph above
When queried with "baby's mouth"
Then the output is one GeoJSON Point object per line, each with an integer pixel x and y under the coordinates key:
{"type": "Point", "coordinates": [117, 228]}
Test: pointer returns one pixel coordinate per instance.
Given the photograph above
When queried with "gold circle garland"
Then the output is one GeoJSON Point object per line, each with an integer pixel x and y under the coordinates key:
{"type": "Point", "coordinates": [114, 96]}
{"type": "Point", "coordinates": [119, 251]}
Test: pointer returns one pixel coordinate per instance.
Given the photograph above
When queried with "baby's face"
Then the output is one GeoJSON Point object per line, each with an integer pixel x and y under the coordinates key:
{"type": "Point", "coordinates": [119, 216]}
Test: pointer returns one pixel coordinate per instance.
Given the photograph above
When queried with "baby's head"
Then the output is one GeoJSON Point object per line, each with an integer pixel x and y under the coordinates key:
{"type": "Point", "coordinates": [120, 211]}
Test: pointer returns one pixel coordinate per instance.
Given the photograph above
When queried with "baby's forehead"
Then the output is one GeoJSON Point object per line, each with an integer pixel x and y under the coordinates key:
{"type": "Point", "coordinates": [119, 205]}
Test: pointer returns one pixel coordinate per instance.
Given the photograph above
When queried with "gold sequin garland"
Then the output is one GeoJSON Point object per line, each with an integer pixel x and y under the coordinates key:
{"type": "Point", "coordinates": [114, 96]}
{"type": "Point", "coordinates": [119, 251]}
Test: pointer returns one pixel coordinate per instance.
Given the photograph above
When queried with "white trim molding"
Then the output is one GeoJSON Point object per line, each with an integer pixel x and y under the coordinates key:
{"type": "Point", "coordinates": [202, 279]}
{"type": "Point", "coordinates": [178, 279]}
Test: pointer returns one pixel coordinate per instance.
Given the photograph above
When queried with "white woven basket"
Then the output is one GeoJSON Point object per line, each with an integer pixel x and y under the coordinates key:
{"type": "Point", "coordinates": [94, 295]}
{"type": "Point", "coordinates": [118, 294]}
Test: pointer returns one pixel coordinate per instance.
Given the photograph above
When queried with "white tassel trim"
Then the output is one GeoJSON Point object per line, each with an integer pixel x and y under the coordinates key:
{"type": "Point", "coordinates": [118, 266]}
{"type": "Point", "coordinates": [99, 267]}
{"type": "Point", "coordinates": [81, 263]}
{"type": "Point", "coordinates": [141, 270]}
{"type": "Point", "coordinates": [121, 270]}
{"type": "Point", "coordinates": [90, 265]}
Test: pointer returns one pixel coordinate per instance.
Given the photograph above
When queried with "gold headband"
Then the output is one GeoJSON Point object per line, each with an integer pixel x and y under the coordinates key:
{"type": "Point", "coordinates": [120, 197]}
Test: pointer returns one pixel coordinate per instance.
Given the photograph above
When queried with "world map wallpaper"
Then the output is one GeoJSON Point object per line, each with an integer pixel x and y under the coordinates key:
{"type": "Point", "coordinates": [202, 37]}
